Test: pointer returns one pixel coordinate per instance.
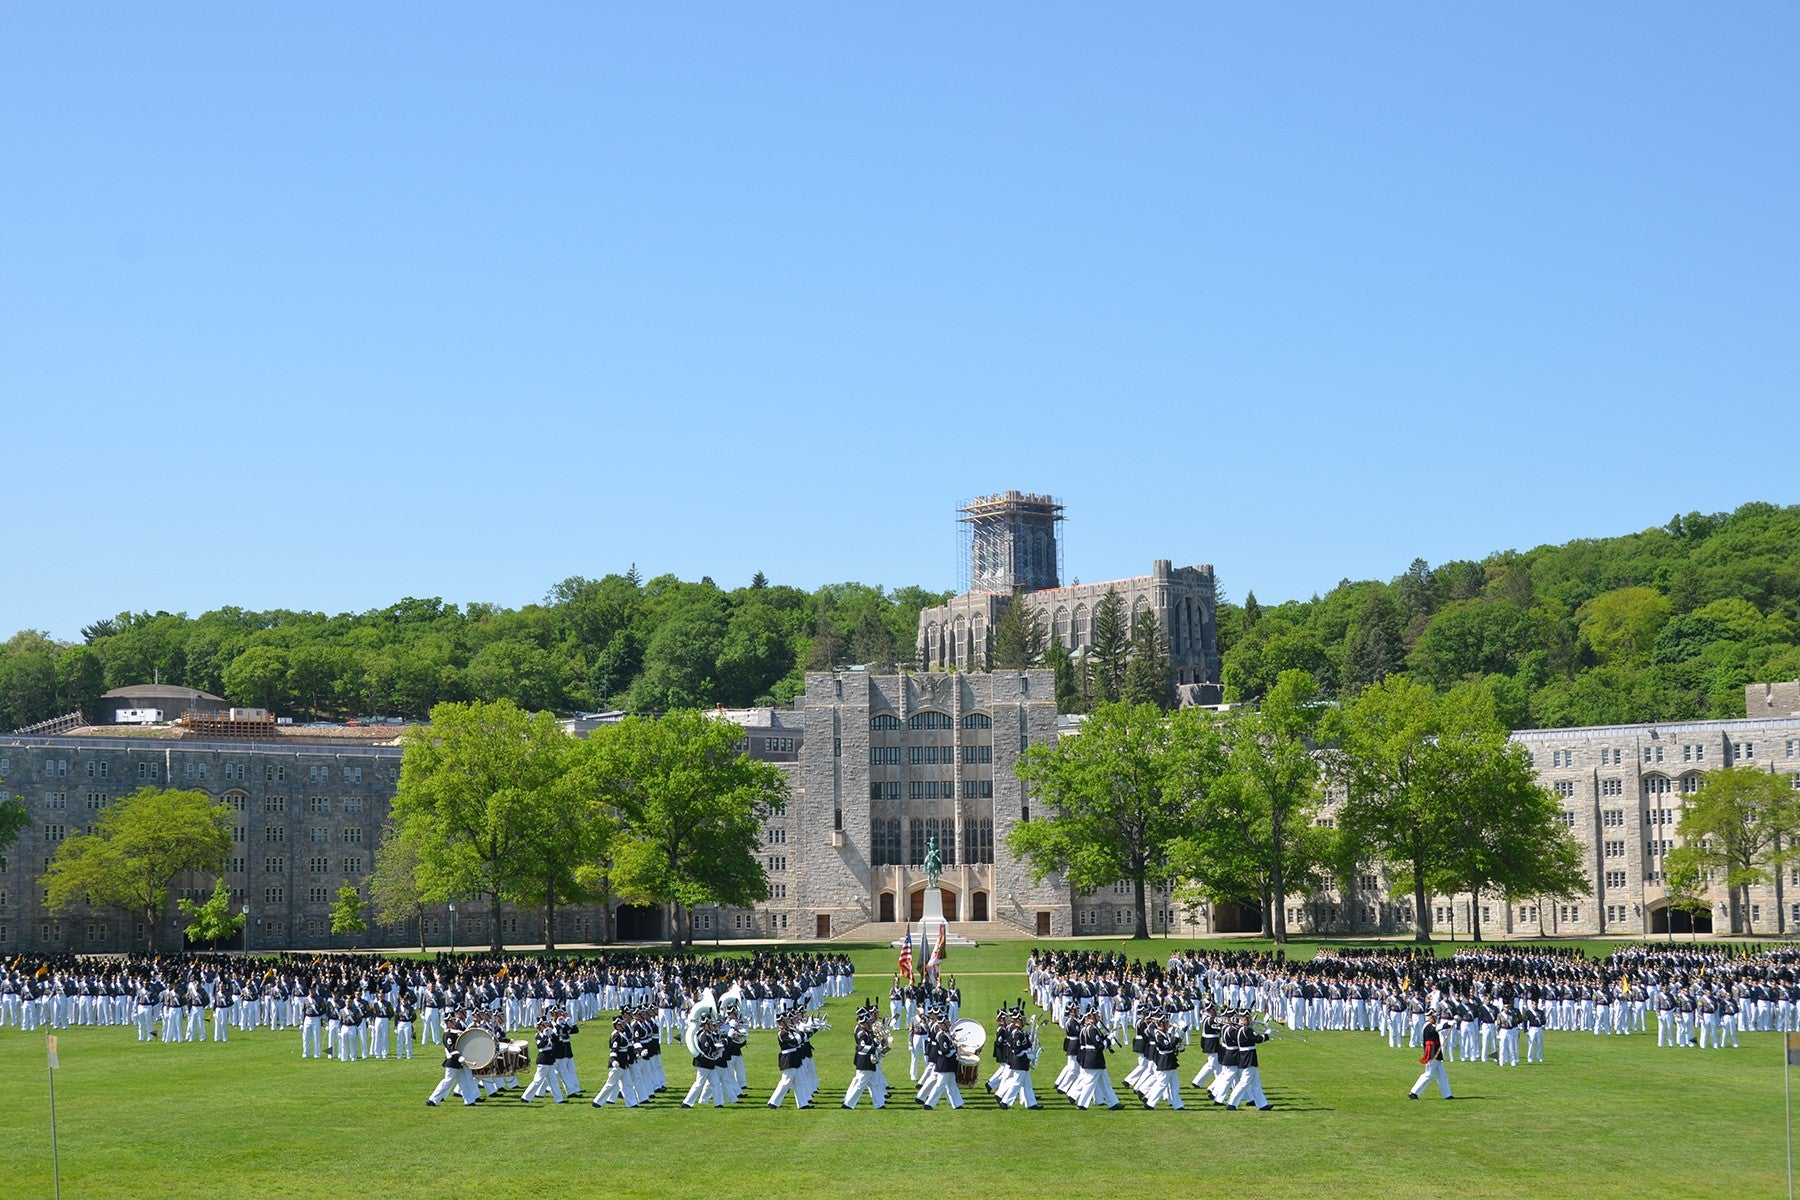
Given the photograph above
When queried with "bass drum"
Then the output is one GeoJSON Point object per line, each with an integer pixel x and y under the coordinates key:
{"type": "Point", "coordinates": [477, 1048]}
{"type": "Point", "coordinates": [969, 1037]}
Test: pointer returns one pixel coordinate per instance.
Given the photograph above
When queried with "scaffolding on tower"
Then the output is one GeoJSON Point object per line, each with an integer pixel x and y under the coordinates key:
{"type": "Point", "coordinates": [1009, 541]}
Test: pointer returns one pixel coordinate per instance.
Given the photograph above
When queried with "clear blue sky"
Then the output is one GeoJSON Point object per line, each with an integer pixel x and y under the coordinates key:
{"type": "Point", "coordinates": [320, 306]}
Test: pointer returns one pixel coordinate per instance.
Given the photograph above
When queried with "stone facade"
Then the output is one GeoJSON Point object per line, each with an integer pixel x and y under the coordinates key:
{"type": "Point", "coordinates": [308, 818]}
{"type": "Point", "coordinates": [955, 635]}
{"type": "Point", "coordinates": [894, 759]}
{"type": "Point", "coordinates": [875, 764]}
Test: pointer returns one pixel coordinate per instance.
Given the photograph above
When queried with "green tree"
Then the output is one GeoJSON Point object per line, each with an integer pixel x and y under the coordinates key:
{"type": "Point", "coordinates": [257, 678]}
{"type": "Point", "coordinates": [27, 679]}
{"type": "Point", "coordinates": [394, 890]}
{"type": "Point", "coordinates": [517, 670]}
{"type": "Point", "coordinates": [1416, 596]}
{"type": "Point", "coordinates": [1062, 670]}
{"type": "Point", "coordinates": [80, 680]}
{"type": "Point", "coordinates": [1374, 646]}
{"type": "Point", "coordinates": [1622, 625]}
{"type": "Point", "coordinates": [1741, 825]}
{"type": "Point", "coordinates": [1149, 679]}
{"type": "Point", "coordinates": [1109, 652]}
{"type": "Point", "coordinates": [1397, 809]}
{"type": "Point", "coordinates": [1471, 638]}
{"type": "Point", "coordinates": [347, 912]}
{"type": "Point", "coordinates": [690, 807]}
{"type": "Point", "coordinates": [15, 819]}
{"type": "Point", "coordinates": [753, 656]}
{"type": "Point", "coordinates": [1253, 833]}
{"type": "Point", "coordinates": [475, 785]}
{"type": "Point", "coordinates": [1017, 640]}
{"type": "Point", "coordinates": [1505, 836]}
{"type": "Point", "coordinates": [681, 659]}
{"type": "Point", "coordinates": [1685, 882]}
{"type": "Point", "coordinates": [140, 844]}
{"type": "Point", "coordinates": [212, 921]}
{"type": "Point", "coordinates": [1114, 801]}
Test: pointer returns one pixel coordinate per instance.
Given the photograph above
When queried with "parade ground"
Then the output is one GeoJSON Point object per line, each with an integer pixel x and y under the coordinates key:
{"type": "Point", "coordinates": [1602, 1117]}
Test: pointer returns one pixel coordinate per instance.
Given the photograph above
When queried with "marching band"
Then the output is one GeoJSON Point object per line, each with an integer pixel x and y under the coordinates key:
{"type": "Point", "coordinates": [1490, 1004]}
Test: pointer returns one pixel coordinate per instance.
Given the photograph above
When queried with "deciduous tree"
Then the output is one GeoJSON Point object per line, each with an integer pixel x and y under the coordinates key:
{"type": "Point", "coordinates": [1253, 833]}
{"type": "Point", "coordinates": [477, 787]}
{"type": "Point", "coordinates": [347, 912]}
{"type": "Point", "coordinates": [690, 806]}
{"type": "Point", "coordinates": [1740, 825]}
{"type": "Point", "coordinates": [212, 920]}
{"type": "Point", "coordinates": [140, 844]}
{"type": "Point", "coordinates": [1113, 801]}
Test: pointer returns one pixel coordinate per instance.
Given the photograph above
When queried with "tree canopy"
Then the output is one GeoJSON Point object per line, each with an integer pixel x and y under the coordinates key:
{"type": "Point", "coordinates": [1435, 792]}
{"type": "Point", "coordinates": [1741, 827]}
{"type": "Point", "coordinates": [614, 642]}
{"type": "Point", "coordinates": [1668, 624]}
{"type": "Point", "coordinates": [1112, 803]}
{"type": "Point", "coordinates": [478, 787]}
{"type": "Point", "coordinates": [139, 845]}
{"type": "Point", "coordinates": [689, 805]}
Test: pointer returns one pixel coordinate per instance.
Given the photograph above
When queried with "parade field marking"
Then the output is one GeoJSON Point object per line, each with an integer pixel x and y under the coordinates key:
{"type": "Point", "coordinates": [1603, 1117]}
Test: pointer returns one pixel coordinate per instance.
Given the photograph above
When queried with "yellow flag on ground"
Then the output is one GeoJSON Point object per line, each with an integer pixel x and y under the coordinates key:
{"type": "Point", "coordinates": [50, 1045]}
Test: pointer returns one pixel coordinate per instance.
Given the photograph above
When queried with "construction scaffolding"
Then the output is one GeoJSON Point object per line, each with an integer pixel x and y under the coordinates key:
{"type": "Point", "coordinates": [1008, 541]}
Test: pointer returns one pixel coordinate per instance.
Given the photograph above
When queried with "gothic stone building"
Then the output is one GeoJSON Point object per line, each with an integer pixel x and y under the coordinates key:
{"type": "Point", "coordinates": [877, 765]}
{"type": "Point", "coordinates": [1013, 558]}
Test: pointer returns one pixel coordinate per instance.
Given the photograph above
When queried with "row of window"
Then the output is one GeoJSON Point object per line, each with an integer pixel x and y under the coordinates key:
{"type": "Point", "coordinates": [887, 722]}
{"type": "Point", "coordinates": [885, 845]}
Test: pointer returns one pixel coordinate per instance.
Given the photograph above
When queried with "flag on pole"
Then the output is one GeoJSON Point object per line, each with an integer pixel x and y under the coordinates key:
{"type": "Point", "coordinates": [937, 952]}
{"type": "Point", "coordinates": [50, 1044]}
{"type": "Point", "coordinates": [906, 955]}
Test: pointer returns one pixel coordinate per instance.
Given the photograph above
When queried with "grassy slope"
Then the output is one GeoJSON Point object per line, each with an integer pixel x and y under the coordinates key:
{"type": "Point", "coordinates": [1607, 1116]}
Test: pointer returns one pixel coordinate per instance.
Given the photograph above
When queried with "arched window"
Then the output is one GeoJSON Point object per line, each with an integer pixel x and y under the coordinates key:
{"type": "Point", "coordinates": [1061, 626]}
{"type": "Point", "coordinates": [977, 720]}
{"type": "Point", "coordinates": [1139, 607]}
{"type": "Point", "coordinates": [958, 647]}
{"type": "Point", "coordinates": [883, 721]}
{"type": "Point", "coordinates": [928, 720]}
{"type": "Point", "coordinates": [978, 839]}
{"type": "Point", "coordinates": [1081, 627]}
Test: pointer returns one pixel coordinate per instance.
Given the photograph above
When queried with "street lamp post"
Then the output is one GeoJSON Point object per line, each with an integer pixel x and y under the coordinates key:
{"type": "Point", "coordinates": [246, 927]}
{"type": "Point", "coordinates": [453, 930]}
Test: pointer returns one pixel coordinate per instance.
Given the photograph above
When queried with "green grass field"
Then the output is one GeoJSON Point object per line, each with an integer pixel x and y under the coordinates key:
{"type": "Point", "coordinates": [1603, 1117]}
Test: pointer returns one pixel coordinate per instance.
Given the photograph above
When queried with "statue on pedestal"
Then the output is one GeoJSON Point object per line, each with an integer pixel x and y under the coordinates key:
{"type": "Point", "coordinates": [933, 864]}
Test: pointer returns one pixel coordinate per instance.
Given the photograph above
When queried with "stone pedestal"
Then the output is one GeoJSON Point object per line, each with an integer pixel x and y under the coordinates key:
{"type": "Point", "coordinates": [932, 921]}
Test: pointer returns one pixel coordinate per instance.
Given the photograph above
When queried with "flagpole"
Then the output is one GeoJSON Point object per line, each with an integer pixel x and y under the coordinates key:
{"type": "Point", "coordinates": [56, 1168]}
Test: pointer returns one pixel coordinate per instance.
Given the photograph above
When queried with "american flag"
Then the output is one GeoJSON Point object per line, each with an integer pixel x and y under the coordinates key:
{"type": "Point", "coordinates": [906, 959]}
